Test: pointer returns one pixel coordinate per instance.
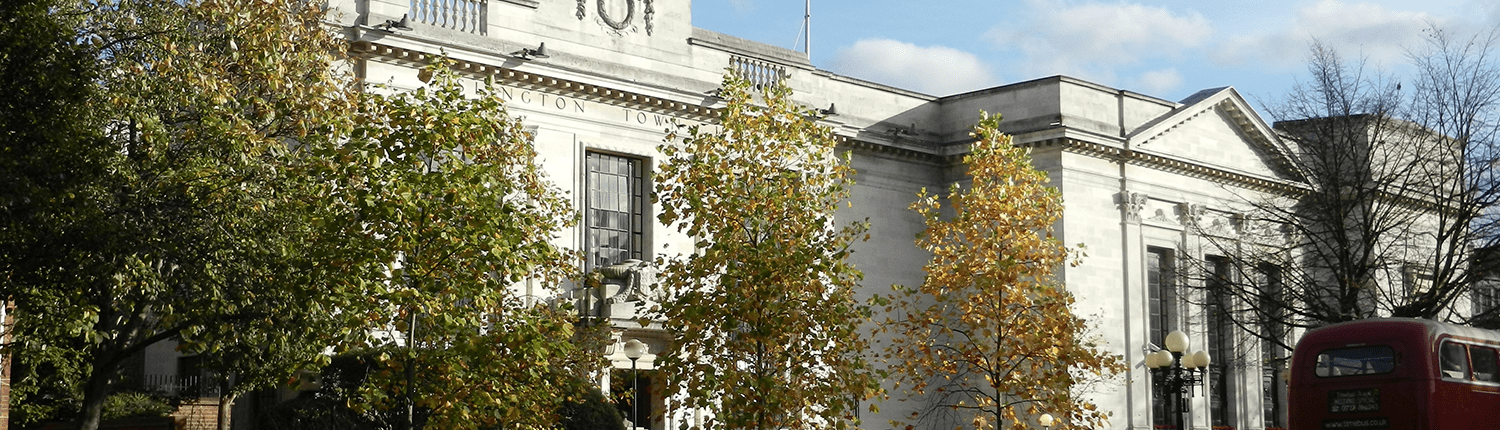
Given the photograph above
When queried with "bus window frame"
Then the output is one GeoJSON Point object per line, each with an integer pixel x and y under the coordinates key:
{"type": "Point", "coordinates": [1494, 375]}
{"type": "Point", "coordinates": [1393, 355]}
{"type": "Point", "coordinates": [1471, 376]}
{"type": "Point", "coordinates": [1443, 360]}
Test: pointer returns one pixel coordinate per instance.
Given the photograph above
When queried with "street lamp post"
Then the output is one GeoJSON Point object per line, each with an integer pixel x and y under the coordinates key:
{"type": "Point", "coordinates": [1045, 420]}
{"type": "Point", "coordinates": [634, 349]}
{"type": "Point", "coordinates": [411, 373]}
{"type": "Point", "coordinates": [1178, 371]}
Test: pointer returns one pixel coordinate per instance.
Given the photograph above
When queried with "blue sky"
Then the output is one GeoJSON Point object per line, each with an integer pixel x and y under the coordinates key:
{"type": "Point", "coordinates": [1164, 48]}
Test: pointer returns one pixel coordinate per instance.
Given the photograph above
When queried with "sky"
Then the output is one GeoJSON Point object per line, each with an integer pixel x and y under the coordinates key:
{"type": "Point", "coordinates": [1162, 48]}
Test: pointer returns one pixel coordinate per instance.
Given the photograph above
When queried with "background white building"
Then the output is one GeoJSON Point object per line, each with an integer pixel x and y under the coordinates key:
{"type": "Point", "coordinates": [1142, 178]}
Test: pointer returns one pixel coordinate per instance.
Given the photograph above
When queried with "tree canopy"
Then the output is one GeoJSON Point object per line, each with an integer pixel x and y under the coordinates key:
{"type": "Point", "coordinates": [446, 227]}
{"type": "Point", "coordinates": [763, 319]}
{"type": "Point", "coordinates": [988, 339]}
{"type": "Point", "coordinates": [1396, 216]}
{"type": "Point", "coordinates": [160, 203]}
{"type": "Point", "coordinates": [213, 175]}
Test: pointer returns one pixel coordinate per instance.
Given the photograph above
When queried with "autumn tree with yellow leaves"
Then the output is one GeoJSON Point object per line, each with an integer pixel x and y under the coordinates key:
{"type": "Point", "coordinates": [764, 323]}
{"type": "Point", "coordinates": [988, 340]}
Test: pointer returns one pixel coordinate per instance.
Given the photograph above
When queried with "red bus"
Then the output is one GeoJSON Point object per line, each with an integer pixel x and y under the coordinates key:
{"type": "Point", "coordinates": [1395, 373]}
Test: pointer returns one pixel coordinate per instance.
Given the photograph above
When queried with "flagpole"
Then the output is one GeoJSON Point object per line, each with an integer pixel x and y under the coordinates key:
{"type": "Point", "coordinates": [807, 24]}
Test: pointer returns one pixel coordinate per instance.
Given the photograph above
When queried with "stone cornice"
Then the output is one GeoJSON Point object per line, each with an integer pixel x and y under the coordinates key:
{"type": "Point", "coordinates": [649, 103]}
{"type": "Point", "coordinates": [909, 154]}
{"type": "Point", "coordinates": [531, 80]}
{"type": "Point", "coordinates": [1168, 164]}
{"type": "Point", "coordinates": [1199, 170]}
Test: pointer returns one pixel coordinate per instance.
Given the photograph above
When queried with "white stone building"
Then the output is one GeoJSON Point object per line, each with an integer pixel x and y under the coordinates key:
{"type": "Point", "coordinates": [1137, 173]}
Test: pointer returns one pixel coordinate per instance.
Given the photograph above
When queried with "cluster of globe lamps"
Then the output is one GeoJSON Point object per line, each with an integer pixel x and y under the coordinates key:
{"type": "Point", "coordinates": [1178, 370]}
{"type": "Point", "coordinates": [1176, 355]}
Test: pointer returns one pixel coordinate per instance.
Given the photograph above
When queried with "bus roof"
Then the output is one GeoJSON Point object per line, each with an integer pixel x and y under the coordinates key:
{"type": "Point", "coordinates": [1388, 328]}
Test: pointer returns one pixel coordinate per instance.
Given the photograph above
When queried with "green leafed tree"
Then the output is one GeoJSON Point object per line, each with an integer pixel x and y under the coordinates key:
{"type": "Point", "coordinates": [48, 142]}
{"type": "Point", "coordinates": [447, 253]}
{"type": "Point", "coordinates": [156, 197]}
{"type": "Point", "coordinates": [989, 341]}
{"type": "Point", "coordinates": [762, 316]}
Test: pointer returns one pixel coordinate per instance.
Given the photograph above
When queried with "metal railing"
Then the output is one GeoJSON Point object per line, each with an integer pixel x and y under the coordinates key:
{"type": "Point", "coordinates": [176, 386]}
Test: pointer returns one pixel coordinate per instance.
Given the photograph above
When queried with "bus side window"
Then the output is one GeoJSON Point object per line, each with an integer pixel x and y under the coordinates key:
{"type": "Point", "coordinates": [1486, 366]}
{"type": "Point", "coordinates": [1455, 361]}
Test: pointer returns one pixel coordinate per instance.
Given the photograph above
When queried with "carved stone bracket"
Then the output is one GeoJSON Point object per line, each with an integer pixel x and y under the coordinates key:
{"type": "Point", "coordinates": [636, 279]}
{"type": "Point", "coordinates": [1190, 214]}
{"type": "Point", "coordinates": [1132, 204]}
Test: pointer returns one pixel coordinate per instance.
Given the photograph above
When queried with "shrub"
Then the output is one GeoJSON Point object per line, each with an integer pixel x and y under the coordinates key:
{"type": "Point", "coordinates": [589, 411]}
{"type": "Point", "coordinates": [133, 405]}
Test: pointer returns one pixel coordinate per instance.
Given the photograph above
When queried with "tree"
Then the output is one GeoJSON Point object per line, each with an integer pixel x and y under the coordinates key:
{"type": "Point", "coordinates": [48, 142]}
{"type": "Point", "coordinates": [1398, 190]}
{"type": "Point", "coordinates": [989, 338]}
{"type": "Point", "coordinates": [762, 317]}
{"type": "Point", "coordinates": [444, 217]}
{"type": "Point", "coordinates": [157, 198]}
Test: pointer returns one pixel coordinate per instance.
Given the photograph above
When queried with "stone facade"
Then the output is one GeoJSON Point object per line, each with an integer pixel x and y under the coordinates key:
{"type": "Point", "coordinates": [1138, 174]}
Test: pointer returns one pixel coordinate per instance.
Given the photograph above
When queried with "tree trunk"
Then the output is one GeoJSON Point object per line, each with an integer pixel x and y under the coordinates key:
{"type": "Point", "coordinates": [94, 392]}
{"type": "Point", "coordinates": [226, 404]}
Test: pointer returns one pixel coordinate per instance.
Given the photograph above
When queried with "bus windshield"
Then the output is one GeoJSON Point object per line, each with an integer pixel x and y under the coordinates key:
{"type": "Point", "coordinates": [1363, 360]}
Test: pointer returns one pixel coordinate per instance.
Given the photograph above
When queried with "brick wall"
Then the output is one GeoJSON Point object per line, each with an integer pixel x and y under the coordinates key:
{"type": "Point", "coordinates": [201, 414]}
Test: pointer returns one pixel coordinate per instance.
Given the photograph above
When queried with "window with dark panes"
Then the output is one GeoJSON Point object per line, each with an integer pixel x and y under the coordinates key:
{"type": "Point", "coordinates": [1272, 354]}
{"type": "Point", "coordinates": [1355, 361]}
{"type": "Point", "coordinates": [190, 379]}
{"type": "Point", "coordinates": [614, 213]}
{"type": "Point", "coordinates": [1220, 341]}
{"type": "Point", "coordinates": [1486, 298]}
{"type": "Point", "coordinates": [1416, 280]}
{"type": "Point", "coordinates": [1161, 291]}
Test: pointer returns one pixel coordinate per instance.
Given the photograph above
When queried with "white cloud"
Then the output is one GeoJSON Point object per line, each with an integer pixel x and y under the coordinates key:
{"type": "Point", "coordinates": [1357, 30]}
{"type": "Point", "coordinates": [1160, 81]}
{"type": "Point", "coordinates": [742, 6]}
{"type": "Point", "coordinates": [1090, 40]}
{"type": "Point", "coordinates": [935, 70]}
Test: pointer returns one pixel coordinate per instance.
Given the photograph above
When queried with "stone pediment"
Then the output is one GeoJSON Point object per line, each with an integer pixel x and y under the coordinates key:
{"type": "Point", "coordinates": [1216, 129]}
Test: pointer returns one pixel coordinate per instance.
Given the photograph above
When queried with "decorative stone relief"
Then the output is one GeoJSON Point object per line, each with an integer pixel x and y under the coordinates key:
{"type": "Point", "coordinates": [1160, 216]}
{"type": "Point", "coordinates": [1189, 214]}
{"type": "Point", "coordinates": [636, 278]}
{"type": "Point", "coordinates": [620, 25]}
{"type": "Point", "coordinates": [1220, 227]}
{"type": "Point", "coordinates": [1132, 203]}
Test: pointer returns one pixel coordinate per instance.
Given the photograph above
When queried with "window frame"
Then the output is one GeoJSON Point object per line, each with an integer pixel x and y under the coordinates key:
{"type": "Point", "coordinates": [1162, 312]}
{"type": "Point", "coordinates": [636, 204]}
{"type": "Point", "coordinates": [1318, 364]}
{"type": "Point", "coordinates": [1221, 341]}
{"type": "Point", "coordinates": [1471, 372]}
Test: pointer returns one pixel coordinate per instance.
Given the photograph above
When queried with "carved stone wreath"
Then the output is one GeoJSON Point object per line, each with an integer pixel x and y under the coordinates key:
{"type": "Point", "coordinates": [621, 24]}
{"type": "Point", "coordinates": [624, 23]}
